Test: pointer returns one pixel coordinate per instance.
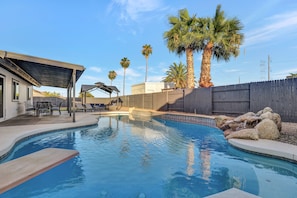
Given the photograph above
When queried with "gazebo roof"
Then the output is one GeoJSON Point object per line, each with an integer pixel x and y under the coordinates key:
{"type": "Point", "coordinates": [99, 85]}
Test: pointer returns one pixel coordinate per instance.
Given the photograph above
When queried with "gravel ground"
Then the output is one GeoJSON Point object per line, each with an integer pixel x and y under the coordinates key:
{"type": "Point", "coordinates": [288, 133]}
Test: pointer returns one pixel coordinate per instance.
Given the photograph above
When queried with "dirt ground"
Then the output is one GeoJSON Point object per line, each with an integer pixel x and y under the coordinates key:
{"type": "Point", "coordinates": [288, 133]}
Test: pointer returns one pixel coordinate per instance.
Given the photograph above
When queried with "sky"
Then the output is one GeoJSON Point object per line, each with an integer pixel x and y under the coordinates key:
{"type": "Point", "coordinates": [97, 34]}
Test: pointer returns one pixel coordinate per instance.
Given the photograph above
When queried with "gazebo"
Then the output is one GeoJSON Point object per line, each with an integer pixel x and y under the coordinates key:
{"type": "Point", "coordinates": [98, 85]}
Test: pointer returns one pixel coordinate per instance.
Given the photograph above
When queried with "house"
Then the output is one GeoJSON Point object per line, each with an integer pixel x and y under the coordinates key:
{"type": "Point", "coordinates": [19, 73]}
{"type": "Point", "coordinates": [37, 93]}
{"type": "Point", "coordinates": [150, 87]}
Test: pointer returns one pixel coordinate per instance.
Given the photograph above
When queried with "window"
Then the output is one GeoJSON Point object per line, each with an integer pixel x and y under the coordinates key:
{"type": "Point", "coordinates": [28, 93]}
{"type": "Point", "coordinates": [15, 90]}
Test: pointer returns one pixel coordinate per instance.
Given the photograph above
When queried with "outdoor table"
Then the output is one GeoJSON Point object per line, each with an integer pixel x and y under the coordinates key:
{"type": "Point", "coordinates": [43, 107]}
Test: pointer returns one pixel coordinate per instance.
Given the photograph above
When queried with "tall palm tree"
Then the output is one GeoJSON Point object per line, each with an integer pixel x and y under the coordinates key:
{"type": "Point", "coordinates": [146, 51]}
{"type": "Point", "coordinates": [125, 62]}
{"type": "Point", "coordinates": [112, 75]}
{"type": "Point", "coordinates": [221, 39]}
{"type": "Point", "coordinates": [182, 38]}
{"type": "Point", "coordinates": [177, 74]}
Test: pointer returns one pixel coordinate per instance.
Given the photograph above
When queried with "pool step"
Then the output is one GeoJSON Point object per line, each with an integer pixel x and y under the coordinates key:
{"type": "Point", "coordinates": [17, 171]}
{"type": "Point", "coordinates": [233, 192]}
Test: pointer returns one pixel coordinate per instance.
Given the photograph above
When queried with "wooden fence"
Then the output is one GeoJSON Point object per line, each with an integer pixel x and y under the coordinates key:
{"type": "Point", "coordinates": [280, 95]}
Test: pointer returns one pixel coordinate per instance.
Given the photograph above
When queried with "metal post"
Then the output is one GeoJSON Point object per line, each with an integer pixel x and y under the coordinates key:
{"type": "Point", "coordinates": [73, 99]}
{"type": "Point", "coordinates": [268, 67]}
{"type": "Point", "coordinates": [68, 100]}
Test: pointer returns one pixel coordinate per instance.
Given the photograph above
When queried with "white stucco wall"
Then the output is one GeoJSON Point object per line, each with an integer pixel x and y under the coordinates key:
{"type": "Point", "coordinates": [150, 87]}
{"type": "Point", "coordinates": [137, 89]}
{"type": "Point", "coordinates": [13, 108]}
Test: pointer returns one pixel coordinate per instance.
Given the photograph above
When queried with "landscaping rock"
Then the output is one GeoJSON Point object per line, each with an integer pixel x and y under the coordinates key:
{"type": "Point", "coordinates": [244, 134]}
{"type": "Point", "coordinates": [220, 120]}
{"type": "Point", "coordinates": [265, 123]}
{"type": "Point", "coordinates": [277, 120]}
{"type": "Point", "coordinates": [267, 109]}
{"type": "Point", "coordinates": [266, 115]}
{"type": "Point", "coordinates": [244, 117]}
{"type": "Point", "coordinates": [267, 129]}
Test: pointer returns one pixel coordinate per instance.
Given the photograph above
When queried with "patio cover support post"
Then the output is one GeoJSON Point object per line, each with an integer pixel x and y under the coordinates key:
{"type": "Point", "coordinates": [69, 100]}
{"type": "Point", "coordinates": [85, 97]}
{"type": "Point", "coordinates": [73, 99]}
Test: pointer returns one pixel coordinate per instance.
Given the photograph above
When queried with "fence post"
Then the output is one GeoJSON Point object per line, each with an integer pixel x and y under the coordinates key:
{"type": "Point", "coordinates": [167, 100]}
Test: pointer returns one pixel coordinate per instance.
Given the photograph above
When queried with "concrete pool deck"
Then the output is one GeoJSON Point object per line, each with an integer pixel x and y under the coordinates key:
{"type": "Point", "coordinates": [12, 132]}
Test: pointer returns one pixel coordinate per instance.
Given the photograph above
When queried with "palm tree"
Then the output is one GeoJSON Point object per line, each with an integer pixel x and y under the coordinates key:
{"type": "Point", "coordinates": [292, 75]}
{"type": "Point", "coordinates": [146, 51]}
{"type": "Point", "coordinates": [177, 74]}
{"type": "Point", "coordinates": [112, 75]}
{"type": "Point", "coordinates": [182, 38]}
{"type": "Point", "coordinates": [125, 62]}
{"type": "Point", "coordinates": [221, 39]}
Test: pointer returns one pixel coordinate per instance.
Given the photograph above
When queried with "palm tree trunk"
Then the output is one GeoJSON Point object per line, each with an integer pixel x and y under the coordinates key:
{"type": "Point", "coordinates": [146, 69]}
{"type": "Point", "coordinates": [124, 82]}
{"type": "Point", "coordinates": [190, 68]}
{"type": "Point", "coordinates": [205, 79]}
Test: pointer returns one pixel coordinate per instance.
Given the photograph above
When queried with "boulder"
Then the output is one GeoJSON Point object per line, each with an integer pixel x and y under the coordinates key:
{"type": "Point", "coordinates": [220, 120]}
{"type": "Point", "coordinates": [277, 120]}
{"type": "Point", "coordinates": [259, 113]}
{"type": "Point", "coordinates": [243, 117]}
{"type": "Point", "coordinates": [267, 109]}
{"type": "Point", "coordinates": [267, 129]}
{"type": "Point", "coordinates": [244, 134]}
{"type": "Point", "coordinates": [235, 126]}
{"type": "Point", "coordinates": [266, 115]}
{"type": "Point", "coordinates": [228, 132]}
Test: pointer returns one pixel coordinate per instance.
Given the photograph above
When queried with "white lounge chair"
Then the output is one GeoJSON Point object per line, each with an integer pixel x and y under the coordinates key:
{"type": "Point", "coordinates": [89, 107]}
{"type": "Point", "coordinates": [79, 107]}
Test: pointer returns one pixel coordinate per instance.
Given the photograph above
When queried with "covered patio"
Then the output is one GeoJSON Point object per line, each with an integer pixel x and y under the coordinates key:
{"type": "Point", "coordinates": [44, 72]}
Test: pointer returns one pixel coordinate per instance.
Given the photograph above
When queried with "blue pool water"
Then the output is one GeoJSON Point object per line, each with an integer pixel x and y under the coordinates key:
{"type": "Point", "coordinates": [152, 158]}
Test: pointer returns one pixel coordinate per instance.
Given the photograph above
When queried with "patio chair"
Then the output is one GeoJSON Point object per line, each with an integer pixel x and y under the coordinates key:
{"type": "Point", "coordinates": [56, 108]}
{"type": "Point", "coordinates": [99, 107]}
{"type": "Point", "coordinates": [30, 108]}
{"type": "Point", "coordinates": [79, 107]}
{"type": "Point", "coordinates": [89, 107]}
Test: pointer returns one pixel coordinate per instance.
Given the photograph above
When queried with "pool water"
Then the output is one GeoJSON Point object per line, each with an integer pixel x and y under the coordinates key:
{"type": "Point", "coordinates": [151, 158]}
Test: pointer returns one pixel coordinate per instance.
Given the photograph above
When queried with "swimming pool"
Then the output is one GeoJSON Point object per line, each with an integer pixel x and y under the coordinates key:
{"type": "Point", "coordinates": [153, 158]}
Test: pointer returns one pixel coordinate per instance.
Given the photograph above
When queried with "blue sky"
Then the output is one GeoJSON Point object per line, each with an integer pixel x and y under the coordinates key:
{"type": "Point", "coordinates": [99, 33]}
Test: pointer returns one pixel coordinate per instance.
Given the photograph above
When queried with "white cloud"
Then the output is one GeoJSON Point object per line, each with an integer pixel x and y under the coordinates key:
{"type": "Point", "coordinates": [96, 69]}
{"type": "Point", "coordinates": [284, 73]}
{"type": "Point", "coordinates": [232, 70]}
{"type": "Point", "coordinates": [277, 25]}
{"type": "Point", "coordinates": [131, 9]}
